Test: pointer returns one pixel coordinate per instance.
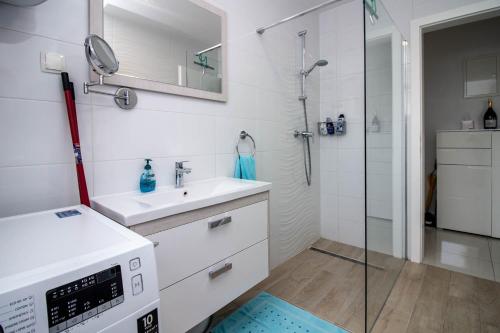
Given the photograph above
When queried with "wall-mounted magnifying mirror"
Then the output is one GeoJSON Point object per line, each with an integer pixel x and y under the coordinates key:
{"type": "Point", "coordinates": [101, 58]}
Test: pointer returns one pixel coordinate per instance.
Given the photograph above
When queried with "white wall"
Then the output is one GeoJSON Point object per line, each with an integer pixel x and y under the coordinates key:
{"type": "Point", "coordinates": [342, 157]}
{"type": "Point", "coordinates": [37, 168]}
{"type": "Point", "coordinates": [445, 52]}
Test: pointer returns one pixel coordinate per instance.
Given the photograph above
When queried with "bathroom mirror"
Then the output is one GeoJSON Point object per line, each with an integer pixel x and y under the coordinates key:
{"type": "Point", "coordinates": [169, 46]}
{"type": "Point", "coordinates": [481, 76]}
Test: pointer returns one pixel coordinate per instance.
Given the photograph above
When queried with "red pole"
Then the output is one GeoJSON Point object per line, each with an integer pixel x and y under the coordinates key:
{"type": "Point", "coordinates": [69, 95]}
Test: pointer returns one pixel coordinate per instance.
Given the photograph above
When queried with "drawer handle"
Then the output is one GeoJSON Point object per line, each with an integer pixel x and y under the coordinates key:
{"type": "Point", "coordinates": [218, 223]}
{"type": "Point", "coordinates": [227, 267]}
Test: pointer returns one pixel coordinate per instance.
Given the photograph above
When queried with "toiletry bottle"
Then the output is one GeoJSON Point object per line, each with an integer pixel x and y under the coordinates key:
{"type": "Point", "coordinates": [330, 127]}
{"type": "Point", "coordinates": [490, 117]}
{"type": "Point", "coordinates": [340, 125]}
{"type": "Point", "coordinates": [322, 129]}
{"type": "Point", "coordinates": [148, 181]}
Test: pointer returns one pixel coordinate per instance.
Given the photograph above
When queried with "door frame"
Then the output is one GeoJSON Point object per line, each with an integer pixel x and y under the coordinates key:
{"type": "Point", "coordinates": [416, 148]}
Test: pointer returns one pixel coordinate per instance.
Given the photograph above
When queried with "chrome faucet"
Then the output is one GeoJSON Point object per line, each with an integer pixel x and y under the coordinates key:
{"type": "Point", "coordinates": [180, 170]}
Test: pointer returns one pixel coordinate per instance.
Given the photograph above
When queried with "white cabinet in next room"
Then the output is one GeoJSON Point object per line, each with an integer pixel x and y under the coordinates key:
{"type": "Point", "coordinates": [495, 202]}
{"type": "Point", "coordinates": [464, 181]}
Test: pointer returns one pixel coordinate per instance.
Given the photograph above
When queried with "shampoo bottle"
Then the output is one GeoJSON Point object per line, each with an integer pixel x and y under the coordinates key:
{"type": "Point", "coordinates": [148, 181]}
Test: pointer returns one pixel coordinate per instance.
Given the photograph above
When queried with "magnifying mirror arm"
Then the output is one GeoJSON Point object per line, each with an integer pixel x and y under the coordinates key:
{"type": "Point", "coordinates": [86, 85]}
{"type": "Point", "coordinates": [125, 95]}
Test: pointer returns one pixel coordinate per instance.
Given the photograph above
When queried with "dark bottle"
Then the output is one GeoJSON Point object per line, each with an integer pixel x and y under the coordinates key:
{"type": "Point", "coordinates": [490, 117]}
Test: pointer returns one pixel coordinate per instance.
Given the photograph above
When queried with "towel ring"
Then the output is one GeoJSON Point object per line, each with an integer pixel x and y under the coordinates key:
{"type": "Point", "coordinates": [243, 136]}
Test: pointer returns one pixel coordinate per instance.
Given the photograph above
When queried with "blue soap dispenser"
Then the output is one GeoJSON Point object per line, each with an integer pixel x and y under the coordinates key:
{"type": "Point", "coordinates": [148, 180]}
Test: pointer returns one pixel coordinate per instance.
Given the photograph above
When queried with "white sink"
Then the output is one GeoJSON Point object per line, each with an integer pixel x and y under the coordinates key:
{"type": "Point", "coordinates": [133, 208]}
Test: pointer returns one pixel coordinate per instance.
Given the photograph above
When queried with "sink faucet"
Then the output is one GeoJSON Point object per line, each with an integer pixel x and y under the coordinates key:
{"type": "Point", "coordinates": [180, 170]}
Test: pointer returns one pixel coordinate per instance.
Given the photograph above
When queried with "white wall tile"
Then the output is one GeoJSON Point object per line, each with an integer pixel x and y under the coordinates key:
{"type": "Point", "coordinates": [224, 165]}
{"type": "Point", "coordinates": [351, 185]}
{"type": "Point", "coordinates": [20, 67]}
{"type": "Point", "coordinates": [342, 85]}
{"type": "Point", "coordinates": [37, 132]}
{"type": "Point", "coordinates": [43, 20]}
{"type": "Point", "coordinates": [329, 183]}
{"type": "Point", "coordinates": [32, 188]}
{"type": "Point", "coordinates": [227, 132]}
{"type": "Point", "coordinates": [351, 161]}
{"type": "Point", "coordinates": [133, 134]}
{"type": "Point", "coordinates": [329, 217]}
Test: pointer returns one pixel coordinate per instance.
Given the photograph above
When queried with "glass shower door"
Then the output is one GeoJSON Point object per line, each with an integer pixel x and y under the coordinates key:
{"type": "Point", "coordinates": [385, 220]}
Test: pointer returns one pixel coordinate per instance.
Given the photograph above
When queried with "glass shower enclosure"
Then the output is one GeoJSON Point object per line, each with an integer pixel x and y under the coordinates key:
{"type": "Point", "coordinates": [385, 158]}
{"type": "Point", "coordinates": [338, 215]}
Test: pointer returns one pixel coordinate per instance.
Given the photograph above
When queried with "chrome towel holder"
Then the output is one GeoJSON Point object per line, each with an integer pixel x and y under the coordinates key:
{"type": "Point", "coordinates": [243, 136]}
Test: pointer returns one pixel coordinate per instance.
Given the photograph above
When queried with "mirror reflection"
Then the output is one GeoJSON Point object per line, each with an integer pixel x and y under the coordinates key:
{"type": "Point", "coordinates": [169, 41]}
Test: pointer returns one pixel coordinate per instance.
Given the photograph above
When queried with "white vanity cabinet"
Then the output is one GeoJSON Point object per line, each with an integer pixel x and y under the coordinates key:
{"type": "Point", "coordinates": [205, 264]}
{"type": "Point", "coordinates": [466, 181]}
{"type": "Point", "coordinates": [211, 242]}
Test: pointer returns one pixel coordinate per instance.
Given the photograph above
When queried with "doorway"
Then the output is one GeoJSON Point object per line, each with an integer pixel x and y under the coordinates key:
{"type": "Point", "coordinates": [449, 50]}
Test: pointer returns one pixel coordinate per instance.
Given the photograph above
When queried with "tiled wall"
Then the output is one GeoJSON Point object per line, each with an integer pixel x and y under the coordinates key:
{"type": "Point", "coordinates": [342, 157]}
{"type": "Point", "coordinates": [36, 163]}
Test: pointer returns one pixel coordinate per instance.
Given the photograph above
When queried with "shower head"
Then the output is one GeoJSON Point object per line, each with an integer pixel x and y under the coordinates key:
{"type": "Point", "coordinates": [322, 62]}
{"type": "Point", "coordinates": [319, 63]}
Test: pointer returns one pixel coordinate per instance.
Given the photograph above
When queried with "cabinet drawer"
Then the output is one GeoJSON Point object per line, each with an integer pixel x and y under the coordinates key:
{"type": "Point", "coordinates": [464, 156]}
{"type": "Point", "coordinates": [190, 301]}
{"type": "Point", "coordinates": [463, 140]}
{"type": "Point", "coordinates": [190, 248]}
{"type": "Point", "coordinates": [464, 198]}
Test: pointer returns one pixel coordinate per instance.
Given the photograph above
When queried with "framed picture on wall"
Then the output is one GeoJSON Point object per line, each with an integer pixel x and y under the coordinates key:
{"type": "Point", "coordinates": [481, 76]}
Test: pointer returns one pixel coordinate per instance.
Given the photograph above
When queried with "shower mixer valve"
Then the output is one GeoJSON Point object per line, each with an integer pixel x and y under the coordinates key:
{"type": "Point", "coordinates": [304, 134]}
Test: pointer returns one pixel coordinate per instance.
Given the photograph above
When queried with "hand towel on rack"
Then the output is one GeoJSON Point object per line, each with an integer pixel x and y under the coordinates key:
{"type": "Point", "coordinates": [245, 167]}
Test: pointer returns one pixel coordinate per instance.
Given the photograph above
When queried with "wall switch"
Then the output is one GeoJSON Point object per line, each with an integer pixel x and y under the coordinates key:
{"type": "Point", "coordinates": [51, 62]}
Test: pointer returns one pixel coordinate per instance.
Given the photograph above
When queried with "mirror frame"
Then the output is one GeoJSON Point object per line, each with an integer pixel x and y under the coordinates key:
{"type": "Point", "coordinates": [96, 26]}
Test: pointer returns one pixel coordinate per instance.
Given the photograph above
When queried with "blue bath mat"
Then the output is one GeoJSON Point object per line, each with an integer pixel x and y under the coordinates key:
{"type": "Point", "coordinates": [268, 314]}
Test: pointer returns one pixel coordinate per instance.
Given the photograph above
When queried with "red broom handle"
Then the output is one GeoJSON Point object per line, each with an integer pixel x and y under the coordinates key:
{"type": "Point", "coordinates": [69, 95]}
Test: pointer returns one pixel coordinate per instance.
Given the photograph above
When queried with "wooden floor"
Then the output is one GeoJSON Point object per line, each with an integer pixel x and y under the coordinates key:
{"type": "Point", "coordinates": [422, 298]}
{"type": "Point", "coordinates": [431, 299]}
{"type": "Point", "coordinates": [329, 287]}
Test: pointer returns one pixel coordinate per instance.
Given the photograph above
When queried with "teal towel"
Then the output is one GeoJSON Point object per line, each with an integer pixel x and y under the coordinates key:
{"type": "Point", "coordinates": [245, 167]}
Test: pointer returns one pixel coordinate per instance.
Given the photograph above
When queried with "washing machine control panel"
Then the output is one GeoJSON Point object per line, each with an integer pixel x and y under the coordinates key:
{"type": "Point", "coordinates": [82, 299]}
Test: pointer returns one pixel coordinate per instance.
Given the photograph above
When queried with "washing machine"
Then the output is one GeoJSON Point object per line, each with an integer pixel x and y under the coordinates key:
{"type": "Point", "coordinates": [74, 270]}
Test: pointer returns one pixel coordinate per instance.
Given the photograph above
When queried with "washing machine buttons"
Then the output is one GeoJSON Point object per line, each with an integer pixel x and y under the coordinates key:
{"type": "Point", "coordinates": [137, 287]}
{"type": "Point", "coordinates": [135, 264]}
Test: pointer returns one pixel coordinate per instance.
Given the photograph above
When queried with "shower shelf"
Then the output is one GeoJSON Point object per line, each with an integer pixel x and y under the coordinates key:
{"type": "Point", "coordinates": [322, 124]}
